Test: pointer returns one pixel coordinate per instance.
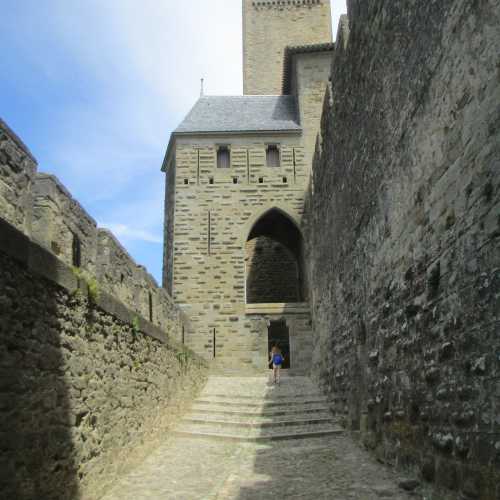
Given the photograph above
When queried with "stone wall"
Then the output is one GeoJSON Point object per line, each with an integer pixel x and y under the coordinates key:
{"type": "Point", "coordinates": [87, 388]}
{"type": "Point", "coordinates": [92, 367]}
{"type": "Point", "coordinates": [58, 219]}
{"type": "Point", "coordinates": [272, 273]}
{"type": "Point", "coordinates": [310, 72]}
{"type": "Point", "coordinates": [269, 27]}
{"type": "Point", "coordinates": [404, 238]}
{"type": "Point", "coordinates": [17, 170]}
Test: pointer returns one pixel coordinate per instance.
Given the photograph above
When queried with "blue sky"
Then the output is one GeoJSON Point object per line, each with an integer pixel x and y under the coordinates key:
{"type": "Point", "coordinates": [94, 88]}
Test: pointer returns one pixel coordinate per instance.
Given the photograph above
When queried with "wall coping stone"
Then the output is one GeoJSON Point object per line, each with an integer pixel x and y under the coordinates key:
{"type": "Point", "coordinates": [109, 234]}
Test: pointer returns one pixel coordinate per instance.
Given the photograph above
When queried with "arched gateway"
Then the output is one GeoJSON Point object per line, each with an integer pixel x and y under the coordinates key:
{"type": "Point", "coordinates": [274, 260]}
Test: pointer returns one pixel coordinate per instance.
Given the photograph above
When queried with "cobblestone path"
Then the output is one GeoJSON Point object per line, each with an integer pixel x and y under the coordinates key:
{"type": "Point", "coordinates": [327, 467]}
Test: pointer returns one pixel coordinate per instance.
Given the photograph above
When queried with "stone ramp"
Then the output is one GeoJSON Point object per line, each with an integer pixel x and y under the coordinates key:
{"type": "Point", "coordinates": [254, 409]}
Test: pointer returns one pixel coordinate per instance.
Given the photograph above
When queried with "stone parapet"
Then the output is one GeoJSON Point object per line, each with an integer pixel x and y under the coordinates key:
{"type": "Point", "coordinates": [60, 223]}
{"type": "Point", "coordinates": [89, 387]}
{"type": "Point", "coordinates": [17, 171]}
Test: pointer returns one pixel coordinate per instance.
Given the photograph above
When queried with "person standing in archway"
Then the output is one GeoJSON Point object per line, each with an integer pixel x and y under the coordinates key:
{"type": "Point", "coordinates": [276, 358]}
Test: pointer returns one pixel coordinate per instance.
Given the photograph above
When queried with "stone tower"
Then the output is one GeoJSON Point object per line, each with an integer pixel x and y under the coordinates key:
{"type": "Point", "coordinates": [237, 169]}
{"type": "Point", "coordinates": [269, 26]}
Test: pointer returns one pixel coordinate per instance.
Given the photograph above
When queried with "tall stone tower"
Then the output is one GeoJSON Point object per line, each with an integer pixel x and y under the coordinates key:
{"type": "Point", "coordinates": [271, 25]}
{"type": "Point", "coordinates": [237, 170]}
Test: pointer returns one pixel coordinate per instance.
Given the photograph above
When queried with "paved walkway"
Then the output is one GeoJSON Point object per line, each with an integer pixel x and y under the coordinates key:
{"type": "Point", "coordinates": [189, 468]}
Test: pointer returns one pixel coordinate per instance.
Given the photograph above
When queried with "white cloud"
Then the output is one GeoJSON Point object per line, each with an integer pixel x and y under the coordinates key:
{"type": "Point", "coordinates": [124, 232]}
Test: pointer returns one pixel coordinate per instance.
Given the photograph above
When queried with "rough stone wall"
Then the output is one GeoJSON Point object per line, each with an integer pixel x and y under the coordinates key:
{"type": "Point", "coordinates": [272, 273]}
{"type": "Point", "coordinates": [85, 394]}
{"type": "Point", "coordinates": [119, 275]}
{"type": "Point", "coordinates": [404, 238]}
{"type": "Point", "coordinates": [269, 27]}
{"type": "Point", "coordinates": [58, 217]}
{"type": "Point", "coordinates": [17, 170]}
{"type": "Point", "coordinates": [212, 225]}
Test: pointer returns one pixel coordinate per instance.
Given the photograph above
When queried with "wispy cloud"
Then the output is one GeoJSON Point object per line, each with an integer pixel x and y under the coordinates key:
{"type": "Point", "coordinates": [129, 233]}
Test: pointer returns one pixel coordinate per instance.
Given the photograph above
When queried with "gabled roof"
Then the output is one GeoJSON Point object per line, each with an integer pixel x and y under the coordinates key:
{"type": "Point", "coordinates": [300, 49]}
{"type": "Point", "coordinates": [241, 114]}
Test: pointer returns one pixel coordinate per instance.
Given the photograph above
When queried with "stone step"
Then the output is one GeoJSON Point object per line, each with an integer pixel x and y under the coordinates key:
{"type": "Point", "coordinates": [258, 410]}
{"type": "Point", "coordinates": [258, 434]}
{"type": "Point", "coordinates": [236, 421]}
{"type": "Point", "coordinates": [264, 396]}
{"type": "Point", "coordinates": [262, 403]}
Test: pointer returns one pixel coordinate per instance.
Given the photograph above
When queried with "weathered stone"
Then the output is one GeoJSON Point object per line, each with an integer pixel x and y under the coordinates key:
{"type": "Point", "coordinates": [409, 484]}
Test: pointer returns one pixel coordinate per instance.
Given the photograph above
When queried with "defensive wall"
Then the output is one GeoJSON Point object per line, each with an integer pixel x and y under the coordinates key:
{"type": "Point", "coordinates": [91, 376]}
{"type": "Point", "coordinates": [403, 238]}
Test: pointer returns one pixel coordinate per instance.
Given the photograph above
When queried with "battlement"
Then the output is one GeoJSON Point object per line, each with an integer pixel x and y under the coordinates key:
{"type": "Point", "coordinates": [41, 207]}
{"type": "Point", "coordinates": [284, 4]}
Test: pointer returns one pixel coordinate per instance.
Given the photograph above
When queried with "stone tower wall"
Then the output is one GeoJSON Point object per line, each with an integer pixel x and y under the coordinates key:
{"type": "Point", "coordinates": [268, 27]}
{"type": "Point", "coordinates": [212, 224]}
{"type": "Point", "coordinates": [404, 239]}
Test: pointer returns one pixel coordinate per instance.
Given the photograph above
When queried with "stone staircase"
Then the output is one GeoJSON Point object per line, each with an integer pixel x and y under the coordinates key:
{"type": "Point", "coordinates": [254, 409]}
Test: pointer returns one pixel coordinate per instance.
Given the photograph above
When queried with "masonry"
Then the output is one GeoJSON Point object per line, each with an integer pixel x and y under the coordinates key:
{"type": "Point", "coordinates": [404, 238]}
{"type": "Point", "coordinates": [93, 372]}
{"type": "Point", "coordinates": [237, 170]}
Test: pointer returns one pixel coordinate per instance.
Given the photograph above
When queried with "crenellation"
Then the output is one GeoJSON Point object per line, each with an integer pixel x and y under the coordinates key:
{"type": "Point", "coordinates": [60, 223]}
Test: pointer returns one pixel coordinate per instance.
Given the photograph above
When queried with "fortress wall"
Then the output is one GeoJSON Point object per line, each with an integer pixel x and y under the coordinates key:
{"type": "Point", "coordinates": [88, 384]}
{"type": "Point", "coordinates": [40, 202]}
{"type": "Point", "coordinates": [17, 170]}
{"type": "Point", "coordinates": [87, 391]}
{"type": "Point", "coordinates": [404, 238]}
{"type": "Point", "coordinates": [58, 218]}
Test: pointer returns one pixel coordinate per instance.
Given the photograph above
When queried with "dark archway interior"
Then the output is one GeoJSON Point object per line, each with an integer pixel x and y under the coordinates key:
{"type": "Point", "coordinates": [274, 260]}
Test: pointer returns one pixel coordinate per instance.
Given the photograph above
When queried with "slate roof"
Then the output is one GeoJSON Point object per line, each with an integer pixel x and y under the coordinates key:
{"type": "Point", "coordinates": [241, 114]}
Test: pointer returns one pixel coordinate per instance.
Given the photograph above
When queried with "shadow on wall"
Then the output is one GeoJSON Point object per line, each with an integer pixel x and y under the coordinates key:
{"type": "Point", "coordinates": [273, 261]}
{"type": "Point", "coordinates": [38, 455]}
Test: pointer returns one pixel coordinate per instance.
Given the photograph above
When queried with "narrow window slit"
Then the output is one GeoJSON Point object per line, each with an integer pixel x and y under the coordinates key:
{"type": "Point", "coordinates": [209, 235]}
{"type": "Point", "coordinates": [150, 297]}
{"type": "Point", "coordinates": [77, 251]}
